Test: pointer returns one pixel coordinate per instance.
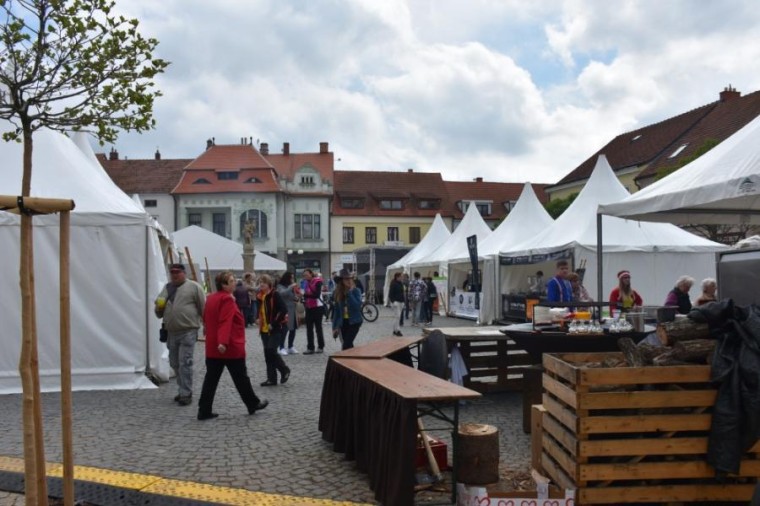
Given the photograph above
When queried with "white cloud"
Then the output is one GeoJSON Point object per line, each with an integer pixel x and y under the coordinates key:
{"type": "Point", "coordinates": [463, 88]}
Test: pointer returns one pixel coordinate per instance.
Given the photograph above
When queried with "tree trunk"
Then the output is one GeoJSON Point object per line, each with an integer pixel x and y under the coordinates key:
{"type": "Point", "coordinates": [694, 351]}
{"type": "Point", "coordinates": [34, 449]}
{"type": "Point", "coordinates": [681, 330]}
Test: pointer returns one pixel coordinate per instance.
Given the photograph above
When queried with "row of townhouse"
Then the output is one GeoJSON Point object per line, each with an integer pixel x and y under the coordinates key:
{"type": "Point", "coordinates": [304, 211]}
{"type": "Point", "coordinates": [311, 215]}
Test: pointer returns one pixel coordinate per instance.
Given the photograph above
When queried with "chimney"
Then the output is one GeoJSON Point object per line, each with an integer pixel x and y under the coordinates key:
{"type": "Point", "coordinates": [729, 93]}
{"type": "Point", "coordinates": [478, 179]}
{"type": "Point", "coordinates": [410, 170]}
{"type": "Point", "coordinates": [323, 147]}
{"type": "Point", "coordinates": [264, 150]}
{"type": "Point", "coordinates": [209, 143]}
{"type": "Point", "coordinates": [113, 155]}
{"type": "Point", "coordinates": [158, 154]}
{"type": "Point", "coordinates": [285, 148]}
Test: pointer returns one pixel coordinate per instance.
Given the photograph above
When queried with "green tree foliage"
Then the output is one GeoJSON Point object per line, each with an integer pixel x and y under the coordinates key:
{"type": "Point", "coordinates": [555, 207]}
{"type": "Point", "coordinates": [74, 65]}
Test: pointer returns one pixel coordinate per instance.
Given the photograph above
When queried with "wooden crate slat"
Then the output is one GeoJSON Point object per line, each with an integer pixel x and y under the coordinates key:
{"type": "Point", "coordinates": [561, 434]}
{"type": "Point", "coordinates": [561, 391]}
{"type": "Point", "coordinates": [654, 470]}
{"type": "Point", "coordinates": [560, 368]}
{"type": "Point", "coordinates": [646, 399]}
{"type": "Point", "coordinates": [665, 493]}
{"type": "Point", "coordinates": [696, 446]}
{"type": "Point", "coordinates": [561, 413]}
{"type": "Point", "coordinates": [643, 423]}
{"type": "Point", "coordinates": [645, 375]}
{"type": "Point", "coordinates": [564, 459]}
{"type": "Point", "coordinates": [555, 472]}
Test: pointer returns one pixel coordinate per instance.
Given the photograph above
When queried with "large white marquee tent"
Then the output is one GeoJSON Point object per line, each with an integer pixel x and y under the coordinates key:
{"type": "Point", "coordinates": [221, 253]}
{"type": "Point", "coordinates": [527, 218]}
{"type": "Point", "coordinates": [116, 270]}
{"type": "Point", "coordinates": [655, 253]}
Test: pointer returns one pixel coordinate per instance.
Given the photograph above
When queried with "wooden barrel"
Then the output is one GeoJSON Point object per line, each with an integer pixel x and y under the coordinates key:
{"type": "Point", "coordinates": [478, 454]}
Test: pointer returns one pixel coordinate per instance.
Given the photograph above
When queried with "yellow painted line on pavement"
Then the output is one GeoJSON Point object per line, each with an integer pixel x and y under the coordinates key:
{"type": "Point", "coordinates": [151, 484]}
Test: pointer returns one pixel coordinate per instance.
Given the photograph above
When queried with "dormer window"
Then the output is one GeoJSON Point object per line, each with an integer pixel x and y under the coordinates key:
{"type": "Point", "coordinates": [429, 204]}
{"type": "Point", "coordinates": [509, 205]}
{"type": "Point", "coordinates": [307, 180]}
{"type": "Point", "coordinates": [484, 208]}
{"type": "Point", "coordinates": [202, 180]}
{"type": "Point", "coordinates": [394, 204]}
{"type": "Point", "coordinates": [351, 203]}
{"type": "Point", "coordinates": [253, 180]}
{"type": "Point", "coordinates": [227, 176]}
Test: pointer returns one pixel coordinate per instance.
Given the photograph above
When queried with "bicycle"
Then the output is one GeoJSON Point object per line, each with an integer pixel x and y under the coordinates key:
{"type": "Point", "coordinates": [369, 311]}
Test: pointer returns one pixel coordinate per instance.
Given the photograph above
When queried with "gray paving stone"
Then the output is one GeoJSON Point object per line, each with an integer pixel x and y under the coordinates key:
{"type": "Point", "coordinates": [277, 450]}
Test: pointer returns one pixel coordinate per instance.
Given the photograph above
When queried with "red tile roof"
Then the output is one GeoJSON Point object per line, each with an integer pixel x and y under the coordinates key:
{"type": "Point", "coordinates": [652, 145]}
{"type": "Point", "coordinates": [497, 193]}
{"type": "Point", "coordinates": [254, 173]}
{"type": "Point", "coordinates": [373, 185]}
{"type": "Point", "coordinates": [287, 165]}
{"type": "Point", "coordinates": [144, 176]}
{"type": "Point", "coordinates": [229, 157]}
{"type": "Point", "coordinates": [724, 120]}
{"type": "Point", "coordinates": [640, 146]}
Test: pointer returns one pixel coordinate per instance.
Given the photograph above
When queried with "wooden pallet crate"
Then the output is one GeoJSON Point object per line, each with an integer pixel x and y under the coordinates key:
{"type": "Point", "coordinates": [633, 434]}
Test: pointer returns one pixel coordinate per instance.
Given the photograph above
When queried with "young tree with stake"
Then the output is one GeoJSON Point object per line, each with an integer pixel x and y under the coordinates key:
{"type": "Point", "coordinates": [65, 65]}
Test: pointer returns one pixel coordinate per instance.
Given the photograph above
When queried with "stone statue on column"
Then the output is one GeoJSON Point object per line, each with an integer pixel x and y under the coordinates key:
{"type": "Point", "coordinates": [249, 229]}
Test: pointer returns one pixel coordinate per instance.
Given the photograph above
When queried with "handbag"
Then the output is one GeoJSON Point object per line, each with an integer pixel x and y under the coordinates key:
{"type": "Point", "coordinates": [300, 312]}
{"type": "Point", "coordinates": [163, 334]}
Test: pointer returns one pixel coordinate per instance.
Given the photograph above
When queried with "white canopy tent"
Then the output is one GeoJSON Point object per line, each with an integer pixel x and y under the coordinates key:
{"type": "Point", "coordinates": [436, 236]}
{"type": "Point", "coordinates": [116, 271]}
{"type": "Point", "coordinates": [454, 247]}
{"type": "Point", "coordinates": [722, 186]}
{"type": "Point", "coordinates": [655, 253]}
{"type": "Point", "coordinates": [524, 221]}
{"type": "Point", "coordinates": [222, 253]}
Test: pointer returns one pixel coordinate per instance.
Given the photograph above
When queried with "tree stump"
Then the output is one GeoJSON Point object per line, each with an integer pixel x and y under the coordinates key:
{"type": "Point", "coordinates": [478, 454]}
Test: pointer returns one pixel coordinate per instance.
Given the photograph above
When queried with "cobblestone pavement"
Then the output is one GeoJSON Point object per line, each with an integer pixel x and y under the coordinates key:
{"type": "Point", "coordinates": [278, 450]}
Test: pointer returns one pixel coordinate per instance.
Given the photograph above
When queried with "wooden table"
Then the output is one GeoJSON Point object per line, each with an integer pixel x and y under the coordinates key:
{"type": "Point", "coordinates": [487, 353]}
{"type": "Point", "coordinates": [369, 412]}
{"type": "Point", "coordinates": [380, 348]}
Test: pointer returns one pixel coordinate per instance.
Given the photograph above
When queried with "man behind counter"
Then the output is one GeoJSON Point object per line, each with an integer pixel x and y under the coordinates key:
{"type": "Point", "coordinates": [558, 288]}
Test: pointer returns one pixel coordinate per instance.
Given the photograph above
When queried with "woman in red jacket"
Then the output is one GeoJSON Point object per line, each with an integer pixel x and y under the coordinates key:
{"type": "Point", "coordinates": [623, 297]}
{"type": "Point", "coordinates": [225, 347]}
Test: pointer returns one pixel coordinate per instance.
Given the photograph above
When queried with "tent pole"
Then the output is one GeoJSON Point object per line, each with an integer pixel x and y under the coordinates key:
{"type": "Point", "coordinates": [599, 269]}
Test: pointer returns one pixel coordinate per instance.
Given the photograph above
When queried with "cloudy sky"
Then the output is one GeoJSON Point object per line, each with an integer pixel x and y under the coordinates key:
{"type": "Point", "coordinates": [509, 90]}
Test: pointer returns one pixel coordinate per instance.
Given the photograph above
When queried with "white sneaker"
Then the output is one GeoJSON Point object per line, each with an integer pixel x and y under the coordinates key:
{"type": "Point", "coordinates": [283, 351]}
{"type": "Point", "coordinates": [293, 351]}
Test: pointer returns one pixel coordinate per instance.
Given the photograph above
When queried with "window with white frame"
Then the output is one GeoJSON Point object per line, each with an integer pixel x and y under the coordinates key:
{"type": "Point", "coordinates": [307, 226]}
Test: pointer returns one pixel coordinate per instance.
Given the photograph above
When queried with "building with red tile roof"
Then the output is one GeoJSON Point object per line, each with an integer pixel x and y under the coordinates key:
{"type": "Point", "coordinates": [641, 156]}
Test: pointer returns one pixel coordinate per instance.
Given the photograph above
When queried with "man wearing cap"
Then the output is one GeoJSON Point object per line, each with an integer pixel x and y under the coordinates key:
{"type": "Point", "coordinates": [180, 304]}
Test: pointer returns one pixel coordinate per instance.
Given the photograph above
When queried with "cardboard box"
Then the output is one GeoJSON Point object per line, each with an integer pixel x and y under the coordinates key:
{"type": "Point", "coordinates": [440, 453]}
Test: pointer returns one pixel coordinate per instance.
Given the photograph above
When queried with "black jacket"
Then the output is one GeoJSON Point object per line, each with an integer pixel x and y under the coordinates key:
{"type": "Point", "coordinates": [396, 291]}
{"type": "Point", "coordinates": [736, 370]}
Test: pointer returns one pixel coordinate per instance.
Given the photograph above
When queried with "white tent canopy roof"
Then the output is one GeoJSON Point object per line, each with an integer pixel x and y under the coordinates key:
{"type": "Point", "coordinates": [221, 253]}
{"type": "Point", "coordinates": [435, 237]}
{"type": "Point", "coordinates": [526, 219]}
{"type": "Point", "coordinates": [577, 225]}
{"type": "Point", "coordinates": [722, 186]}
{"type": "Point", "coordinates": [456, 245]}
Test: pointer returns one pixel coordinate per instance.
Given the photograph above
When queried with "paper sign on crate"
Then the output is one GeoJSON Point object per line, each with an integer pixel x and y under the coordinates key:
{"type": "Point", "coordinates": [474, 495]}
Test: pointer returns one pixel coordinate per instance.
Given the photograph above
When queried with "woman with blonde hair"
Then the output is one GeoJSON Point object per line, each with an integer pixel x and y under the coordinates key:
{"type": "Point", "coordinates": [623, 297]}
{"type": "Point", "coordinates": [273, 319]}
